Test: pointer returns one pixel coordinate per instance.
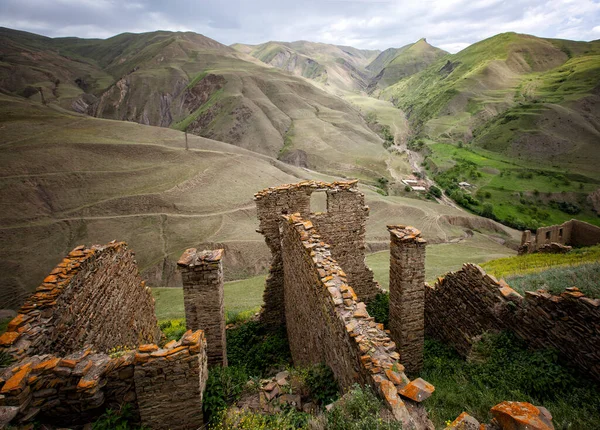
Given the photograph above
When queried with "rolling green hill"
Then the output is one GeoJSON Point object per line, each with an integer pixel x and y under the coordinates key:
{"type": "Point", "coordinates": [516, 116]}
{"type": "Point", "coordinates": [391, 67]}
{"type": "Point", "coordinates": [189, 82]}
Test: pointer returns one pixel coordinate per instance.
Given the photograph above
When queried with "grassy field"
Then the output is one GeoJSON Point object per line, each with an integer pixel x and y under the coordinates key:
{"type": "Point", "coordinates": [535, 263]}
{"type": "Point", "coordinates": [586, 277]}
{"type": "Point", "coordinates": [520, 193]}
{"type": "Point", "coordinates": [442, 258]}
{"type": "Point", "coordinates": [246, 294]}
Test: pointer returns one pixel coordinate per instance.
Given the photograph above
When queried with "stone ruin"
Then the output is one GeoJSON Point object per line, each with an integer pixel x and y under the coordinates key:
{"type": "Point", "coordinates": [560, 238]}
{"type": "Point", "coordinates": [85, 341]}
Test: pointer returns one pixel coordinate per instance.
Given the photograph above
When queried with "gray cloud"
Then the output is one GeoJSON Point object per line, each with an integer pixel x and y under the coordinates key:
{"type": "Point", "coordinates": [449, 24]}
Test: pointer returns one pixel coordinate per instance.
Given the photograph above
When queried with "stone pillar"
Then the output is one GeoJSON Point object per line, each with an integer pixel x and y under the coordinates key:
{"type": "Point", "coordinates": [202, 274]}
{"type": "Point", "coordinates": [407, 294]}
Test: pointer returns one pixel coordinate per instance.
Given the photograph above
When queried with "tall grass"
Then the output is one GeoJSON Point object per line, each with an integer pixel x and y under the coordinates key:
{"type": "Point", "coordinates": [534, 263]}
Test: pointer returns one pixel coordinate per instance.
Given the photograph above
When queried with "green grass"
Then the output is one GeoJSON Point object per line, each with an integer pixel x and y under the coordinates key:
{"type": "Point", "coordinates": [240, 296]}
{"type": "Point", "coordinates": [522, 194]}
{"type": "Point", "coordinates": [586, 277]}
{"type": "Point", "coordinates": [534, 263]}
{"type": "Point", "coordinates": [442, 258]}
{"type": "Point", "coordinates": [502, 368]}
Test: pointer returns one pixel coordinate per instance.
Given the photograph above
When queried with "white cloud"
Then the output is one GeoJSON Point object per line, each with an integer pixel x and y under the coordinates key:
{"type": "Point", "coordinates": [372, 24]}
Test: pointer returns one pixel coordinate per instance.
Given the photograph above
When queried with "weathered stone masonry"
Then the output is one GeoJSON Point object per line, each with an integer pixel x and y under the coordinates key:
{"type": "Point", "coordinates": [466, 303]}
{"type": "Point", "coordinates": [327, 323]}
{"type": "Point", "coordinates": [342, 226]}
{"type": "Point", "coordinates": [94, 297]}
{"type": "Point", "coordinates": [407, 294]}
{"type": "Point", "coordinates": [92, 302]}
{"type": "Point", "coordinates": [570, 233]}
{"type": "Point", "coordinates": [203, 295]}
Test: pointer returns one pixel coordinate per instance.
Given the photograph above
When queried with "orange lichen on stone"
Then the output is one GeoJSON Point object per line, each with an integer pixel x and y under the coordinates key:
{"type": "Point", "coordinates": [521, 416]}
{"type": "Point", "coordinates": [17, 381]}
{"type": "Point", "coordinates": [150, 347]}
{"type": "Point", "coordinates": [68, 363]}
{"type": "Point", "coordinates": [51, 363]}
{"type": "Point", "coordinates": [86, 384]}
{"type": "Point", "coordinates": [9, 338]}
{"type": "Point", "coordinates": [417, 390]}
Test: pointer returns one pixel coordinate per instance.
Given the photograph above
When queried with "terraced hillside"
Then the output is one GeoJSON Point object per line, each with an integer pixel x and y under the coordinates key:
{"type": "Point", "coordinates": [69, 179]}
{"type": "Point", "coordinates": [189, 82]}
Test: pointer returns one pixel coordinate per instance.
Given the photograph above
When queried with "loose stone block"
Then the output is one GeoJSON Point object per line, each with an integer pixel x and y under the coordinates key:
{"type": "Point", "coordinates": [203, 296]}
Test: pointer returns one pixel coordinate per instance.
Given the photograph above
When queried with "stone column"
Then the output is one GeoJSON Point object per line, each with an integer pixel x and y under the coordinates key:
{"type": "Point", "coordinates": [407, 294]}
{"type": "Point", "coordinates": [202, 274]}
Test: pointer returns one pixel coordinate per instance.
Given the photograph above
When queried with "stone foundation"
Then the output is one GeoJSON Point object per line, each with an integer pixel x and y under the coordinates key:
{"type": "Point", "coordinates": [407, 294]}
{"type": "Point", "coordinates": [342, 226]}
{"type": "Point", "coordinates": [466, 303]}
{"type": "Point", "coordinates": [327, 323]}
{"type": "Point", "coordinates": [202, 275]}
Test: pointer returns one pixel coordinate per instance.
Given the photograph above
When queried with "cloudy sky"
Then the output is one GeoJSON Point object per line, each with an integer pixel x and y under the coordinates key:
{"type": "Point", "coordinates": [373, 24]}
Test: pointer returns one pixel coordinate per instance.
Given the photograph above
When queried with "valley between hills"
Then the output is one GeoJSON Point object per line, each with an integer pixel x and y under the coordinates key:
{"type": "Point", "coordinates": [161, 140]}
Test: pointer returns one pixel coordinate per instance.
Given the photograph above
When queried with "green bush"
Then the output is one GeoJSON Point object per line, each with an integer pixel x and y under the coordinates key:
{"type": "Point", "coordinates": [122, 419]}
{"type": "Point", "coordinates": [379, 308]}
{"type": "Point", "coordinates": [321, 383]}
{"type": "Point", "coordinates": [501, 367]}
{"type": "Point", "coordinates": [172, 329]}
{"type": "Point", "coordinates": [359, 410]}
{"type": "Point", "coordinates": [223, 388]}
{"type": "Point", "coordinates": [435, 191]}
{"type": "Point", "coordinates": [257, 349]}
{"type": "Point", "coordinates": [288, 419]}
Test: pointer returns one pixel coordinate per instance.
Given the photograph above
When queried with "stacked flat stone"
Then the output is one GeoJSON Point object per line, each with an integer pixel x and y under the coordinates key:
{"type": "Point", "coordinates": [327, 323]}
{"type": "Point", "coordinates": [94, 296]}
{"type": "Point", "coordinates": [203, 297]}
{"type": "Point", "coordinates": [466, 303]}
{"type": "Point", "coordinates": [407, 294]}
{"type": "Point", "coordinates": [342, 226]}
{"type": "Point", "coordinates": [164, 386]}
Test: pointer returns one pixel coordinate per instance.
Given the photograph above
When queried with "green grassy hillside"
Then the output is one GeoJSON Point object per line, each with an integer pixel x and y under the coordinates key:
{"type": "Point", "coordinates": [405, 62]}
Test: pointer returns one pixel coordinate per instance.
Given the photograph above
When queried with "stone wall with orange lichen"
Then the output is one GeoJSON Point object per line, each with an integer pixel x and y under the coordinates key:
{"type": "Point", "coordinates": [326, 322]}
{"type": "Point", "coordinates": [466, 303]}
{"type": "Point", "coordinates": [342, 226]}
{"type": "Point", "coordinates": [93, 297]}
{"type": "Point", "coordinates": [164, 386]}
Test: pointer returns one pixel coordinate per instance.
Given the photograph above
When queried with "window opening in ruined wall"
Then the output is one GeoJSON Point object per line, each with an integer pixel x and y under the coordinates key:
{"type": "Point", "coordinates": [547, 235]}
{"type": "Point", "coordinates": [318, 202]}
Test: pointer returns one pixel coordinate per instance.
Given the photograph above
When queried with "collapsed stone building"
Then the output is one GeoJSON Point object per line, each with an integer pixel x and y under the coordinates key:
{"type": "Point", "coordinates": [88, 340]}
{"type": "Point", "coordinates": [560, 238]}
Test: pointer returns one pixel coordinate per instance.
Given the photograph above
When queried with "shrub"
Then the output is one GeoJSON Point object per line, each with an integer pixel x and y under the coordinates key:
{"type": "Point", "coordinates": [359, 410]}
{"type": "Point", "coordinates": [122, 419]}
{"type": "Point", "coordinates": [321, 383]}
{"type": "Point", "coordinates": [257, 349]}
{"type": "Point", "coordinates": [172, 329]}
{"type": "Point", "coordinates": [224, 386]}
{"type": "Point", "coordinates": [435, 191]}
{"type": "Point", "coordinates": [487, 210]}
{"type": "Point", "coordinates": [288, 419]}
{"type": "Point", "coordinates": [379, 308]}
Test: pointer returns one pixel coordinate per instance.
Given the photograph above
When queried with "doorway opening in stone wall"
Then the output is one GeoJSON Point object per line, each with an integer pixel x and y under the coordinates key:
{"type": "Point", "coordinates": [318, 202]}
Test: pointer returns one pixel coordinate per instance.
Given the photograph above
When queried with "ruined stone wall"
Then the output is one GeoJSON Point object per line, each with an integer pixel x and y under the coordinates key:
{"type": "Point", "coordinates": [203, 297]}
{"type": "Point", "coordinates": [93, 297]}
{"type": "Point", "coordinates": [407, 294]}
{"type": "Point", "coordinates": [163, 385]}
{"type": "Point", "coordinates": [343, 226]}
{"type": "Point", "coordinates": [466, 303]}
{"type": "Point", "coordinates": [327, 323]}
{"type": "Point", "coordinates": [571, 233]}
